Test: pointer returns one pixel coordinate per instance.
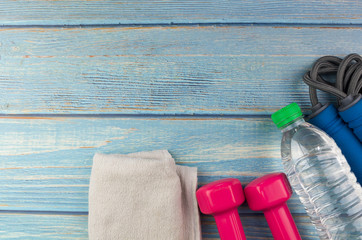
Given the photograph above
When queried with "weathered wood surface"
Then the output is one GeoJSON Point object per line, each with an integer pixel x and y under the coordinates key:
{"type": "Point", "coordinates": [129, 66]}
{"type": "Point", "coordinates": [75, 12]}
{"type": "Point", "coordinates": [43, 226]}
{"type": "Point", "coordinates": [45, 163]}
{"type": "Point", "coordinates": [65, 226]}
{"type": "Point", "coordinates": [163, 70]}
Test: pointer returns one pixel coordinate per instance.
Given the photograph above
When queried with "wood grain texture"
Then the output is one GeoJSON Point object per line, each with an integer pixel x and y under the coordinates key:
{"type": "Point", "coordinates": [46, 226]}
{"type": "Point", "coordinates": [238, 69]}
{"type": "Point", "coordinates": [43, 12]}
{"type": "Point", "coordinates": [45, 164]}
{"type": "Point", "coordinates": [42, 226]}
{"type": "Point", "coordinates": [161, 70]}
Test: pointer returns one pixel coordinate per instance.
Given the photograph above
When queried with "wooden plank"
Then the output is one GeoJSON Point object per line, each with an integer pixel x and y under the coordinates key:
{"type": "Point", "coordinates": [42, 226]}
{"type": "Point", "coordinates": [161, 70]}
{"type": "Point", "coordinates": [47, 226]}
{"type": "Point", "coordinates": [45, 164]}
{"type": "Point", "coordinates": [40, 12]}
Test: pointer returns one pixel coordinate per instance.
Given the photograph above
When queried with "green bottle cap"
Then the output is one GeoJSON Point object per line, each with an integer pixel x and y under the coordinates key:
{"type": "Point", "coordinates": [286, 115]}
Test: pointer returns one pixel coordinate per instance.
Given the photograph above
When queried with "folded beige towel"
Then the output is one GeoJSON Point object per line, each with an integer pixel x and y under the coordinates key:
{"type": "Point", "coordinates": [142, 196]}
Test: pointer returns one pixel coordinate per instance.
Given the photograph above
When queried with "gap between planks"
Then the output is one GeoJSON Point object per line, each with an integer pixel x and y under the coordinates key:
{"type": "Point", "coordinates": [140, 116]}
{"type": "Point", "coordinates": [175, 24]}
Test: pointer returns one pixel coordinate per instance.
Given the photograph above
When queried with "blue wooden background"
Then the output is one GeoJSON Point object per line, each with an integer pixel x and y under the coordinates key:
{"type": "Point", "coordinates": [199, 78]}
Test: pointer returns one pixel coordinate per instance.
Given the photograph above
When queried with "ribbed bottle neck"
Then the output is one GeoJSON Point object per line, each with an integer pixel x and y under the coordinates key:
{"type": "Point", "coordinates": [292, 124]}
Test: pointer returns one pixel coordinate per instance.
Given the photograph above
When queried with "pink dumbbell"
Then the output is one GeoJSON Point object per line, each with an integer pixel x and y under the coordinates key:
{"type": "Point", "coordinates": [221, 199]}
{"type": "Point", "coordinates": [269, 194]}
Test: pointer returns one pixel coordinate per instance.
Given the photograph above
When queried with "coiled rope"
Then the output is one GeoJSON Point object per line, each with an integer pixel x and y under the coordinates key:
{"type": "Point", "coordinates": [348, 77]}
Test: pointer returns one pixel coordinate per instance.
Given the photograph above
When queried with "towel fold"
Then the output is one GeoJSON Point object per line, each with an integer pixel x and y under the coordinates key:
{"type": "Point", "coordinates": [144, 196]}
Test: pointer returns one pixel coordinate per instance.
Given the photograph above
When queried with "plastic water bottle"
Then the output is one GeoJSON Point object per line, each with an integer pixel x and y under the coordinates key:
{"type": "Point", "coordinates": [321, 176]}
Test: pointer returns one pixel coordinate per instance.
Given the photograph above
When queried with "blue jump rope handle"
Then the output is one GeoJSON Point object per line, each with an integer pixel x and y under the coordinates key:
{"type": "Point", "coordinates": [329, 121]}
{"type": "Point", "coordinates": [353, 117]}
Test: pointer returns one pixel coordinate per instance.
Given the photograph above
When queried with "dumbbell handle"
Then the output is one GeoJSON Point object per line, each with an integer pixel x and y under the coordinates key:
{"type": "Point", "coordinates": [281, 223]}
{"type": "Point", "coordinates": [229, 225]}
